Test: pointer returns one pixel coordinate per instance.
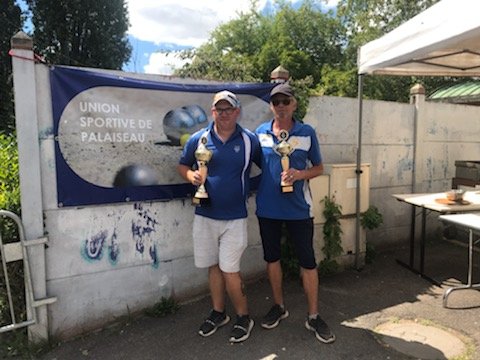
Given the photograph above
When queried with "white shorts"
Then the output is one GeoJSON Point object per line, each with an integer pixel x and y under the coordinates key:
{"type": "Point", "coordinates": [219, 242]}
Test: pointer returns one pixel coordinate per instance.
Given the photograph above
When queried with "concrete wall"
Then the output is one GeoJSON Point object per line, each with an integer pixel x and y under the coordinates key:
{"type": "Point", "coordinates": [444, 133]}
{"type": "Point", "coordinates": [126, 272]}
{"type": "Point", "coordinates": [387, 146]}
{"type": "Point", "coordinates": [91, 292]}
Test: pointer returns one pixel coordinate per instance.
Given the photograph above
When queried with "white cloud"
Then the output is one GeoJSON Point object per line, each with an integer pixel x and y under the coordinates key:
{"type": "Point", "coordinates": [163, 63]}
{"type": "Point", "coordinates": [188, 22]}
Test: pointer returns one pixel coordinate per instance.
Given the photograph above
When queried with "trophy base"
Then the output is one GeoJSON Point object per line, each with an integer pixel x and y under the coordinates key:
{"type": "Point", "coordinates": [200, 201]}
{"type": "Point", "coordinates": [287, 189]}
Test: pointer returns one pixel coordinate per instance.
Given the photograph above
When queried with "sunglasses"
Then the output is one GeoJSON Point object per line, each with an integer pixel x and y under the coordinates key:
{"type": "Point", "coordinates": [228, 111]}
{"type": "Point", "coordinates": [276, 102]}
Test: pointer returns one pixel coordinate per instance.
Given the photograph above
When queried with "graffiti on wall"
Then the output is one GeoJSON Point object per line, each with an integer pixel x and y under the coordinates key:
{"type": "Point", "coordinates": [138, 239]}
{"type": "Point", "coordinates": [94, 245]}
{"type": "Point", "coordinates": [143, 231]}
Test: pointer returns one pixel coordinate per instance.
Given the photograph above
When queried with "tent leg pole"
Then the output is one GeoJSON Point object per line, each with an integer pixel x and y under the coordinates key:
{"type": "Point", "coordinates": [358, 172]}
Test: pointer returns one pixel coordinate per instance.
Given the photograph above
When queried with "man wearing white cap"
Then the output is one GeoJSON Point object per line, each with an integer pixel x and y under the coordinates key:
{"type": "Point", "coordinates": [220, 229]}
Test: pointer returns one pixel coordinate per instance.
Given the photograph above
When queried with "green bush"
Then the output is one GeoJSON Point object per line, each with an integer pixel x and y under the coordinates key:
{"type": "Point", "coordinates": [372, 218]}
{"type": "Point", "coordinates": [9, 178]}
{"type": "Point", "coordinates": [11, 343]}
{"type": "Point", "coordinates": [332, 235]}
{"type": "Point", "coordinates": [332, 230]}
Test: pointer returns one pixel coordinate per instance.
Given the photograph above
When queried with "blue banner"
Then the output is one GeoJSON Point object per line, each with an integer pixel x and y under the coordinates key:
{"type": "Point", "coordinates": [119, 139]}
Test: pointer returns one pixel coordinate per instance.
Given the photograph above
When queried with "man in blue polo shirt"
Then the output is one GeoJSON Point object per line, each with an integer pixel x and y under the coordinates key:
{"type": "Point", "coordinates": [291, 156]}
{"type": "Point", "coordinates": [220, 229]}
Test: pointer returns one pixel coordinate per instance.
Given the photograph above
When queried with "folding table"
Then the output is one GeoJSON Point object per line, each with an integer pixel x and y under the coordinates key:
{"type": "Point", "coordinates": [437, 202]}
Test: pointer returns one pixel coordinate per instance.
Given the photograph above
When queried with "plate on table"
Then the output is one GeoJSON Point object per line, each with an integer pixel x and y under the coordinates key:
{"type": "Point", "coordinates": [452, 202]}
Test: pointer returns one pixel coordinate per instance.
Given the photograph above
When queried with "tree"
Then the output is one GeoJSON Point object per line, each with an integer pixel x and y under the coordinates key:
{"type": "Point", "coordinates": [81, 32]}
{"type": "Point", "coordinates": [250, 47]}
{"type": "Point", "coordinates": [303, 40]}
{"type": "Point", "coordinates": [363, 21]}
{"type": "Point", "coordinates": [229, 54]}
{"type": "Point", "coordinates": [317, 46]}
{"type": "Point", "coordinates": [12, 22]}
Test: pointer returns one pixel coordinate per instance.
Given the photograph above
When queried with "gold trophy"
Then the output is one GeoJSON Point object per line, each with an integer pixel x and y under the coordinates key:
{"type": "Point", "coordinates": [284, 149]}
{"type": "Point", "coordinates": [203, 156]}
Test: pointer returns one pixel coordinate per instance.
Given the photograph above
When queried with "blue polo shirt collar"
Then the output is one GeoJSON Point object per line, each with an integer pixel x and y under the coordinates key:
{"type": "Point", "coordinates": [237, 132]}
{"type": "Point", "coordinates": [296, 126]}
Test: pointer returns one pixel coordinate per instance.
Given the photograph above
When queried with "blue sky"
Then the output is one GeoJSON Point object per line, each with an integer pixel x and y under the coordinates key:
{"type": "Point", "coordinates": [157, 26]}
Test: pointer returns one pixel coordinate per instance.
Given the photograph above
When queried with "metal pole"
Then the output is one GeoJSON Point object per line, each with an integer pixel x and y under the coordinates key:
{"type": "Point", "coordinates": [415, 91]}
{"type": "Point", "coordinates": [358, 171]}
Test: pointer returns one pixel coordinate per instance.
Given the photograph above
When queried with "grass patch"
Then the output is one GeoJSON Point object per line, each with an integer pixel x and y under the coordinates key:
{"type": "Point", "coordinates": [166, 306]}
{"type": "Point", "coordinates": [15, 345]}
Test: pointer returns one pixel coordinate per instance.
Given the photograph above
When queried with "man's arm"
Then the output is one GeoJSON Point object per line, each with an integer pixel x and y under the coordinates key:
{"type": "Point", "coordinates": [312, 172]}
{"type": "Point", "coordinates": [309, 173]}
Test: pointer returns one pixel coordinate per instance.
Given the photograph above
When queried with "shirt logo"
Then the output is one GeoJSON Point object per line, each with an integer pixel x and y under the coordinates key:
{"type": "Point", "coordinates": [266, 140]}
{"type": "Point", "coordinates": [236, 148]}
{"type": "Point", "coordinates": [300, 142]}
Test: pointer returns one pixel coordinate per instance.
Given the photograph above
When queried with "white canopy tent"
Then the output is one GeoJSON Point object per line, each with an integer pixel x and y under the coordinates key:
{"type": "Point", "coordinates": [443, 40]}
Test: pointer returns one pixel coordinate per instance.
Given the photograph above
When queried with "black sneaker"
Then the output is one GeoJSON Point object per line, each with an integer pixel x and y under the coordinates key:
{"type": "Point", "coordinates": [242, 328]}
{"type": "Point", "coordinates": [321, 329]}
{"type": "Point", "coordinates": [273, 317]}
{"type": "Point", "coordinates": [213, 322]}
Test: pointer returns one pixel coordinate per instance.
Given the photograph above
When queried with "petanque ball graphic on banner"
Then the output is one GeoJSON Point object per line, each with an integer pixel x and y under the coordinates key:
{"type": "Point", "coordinates": [185, 120]}
{"type": "Point", "coordinates": [136, 175]}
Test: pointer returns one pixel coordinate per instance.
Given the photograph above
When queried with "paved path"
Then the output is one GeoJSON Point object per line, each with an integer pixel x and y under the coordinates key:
{"type": "Point", "coordinates": [356, 304]}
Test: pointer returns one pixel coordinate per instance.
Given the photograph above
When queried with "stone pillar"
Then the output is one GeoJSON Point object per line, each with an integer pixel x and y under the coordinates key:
{"type": "Point", "coordinates": [23, 66]}
{"type": "Point", "coordinates": [417, 94]}
{"type": "Point", "coordinates": [279, 75]}
{"type": "Point", "coordinates": [417, 99]}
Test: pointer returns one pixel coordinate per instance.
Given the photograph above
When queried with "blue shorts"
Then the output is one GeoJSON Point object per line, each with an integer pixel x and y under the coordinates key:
{"type": "Point", "coordinates": [301, 234]}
